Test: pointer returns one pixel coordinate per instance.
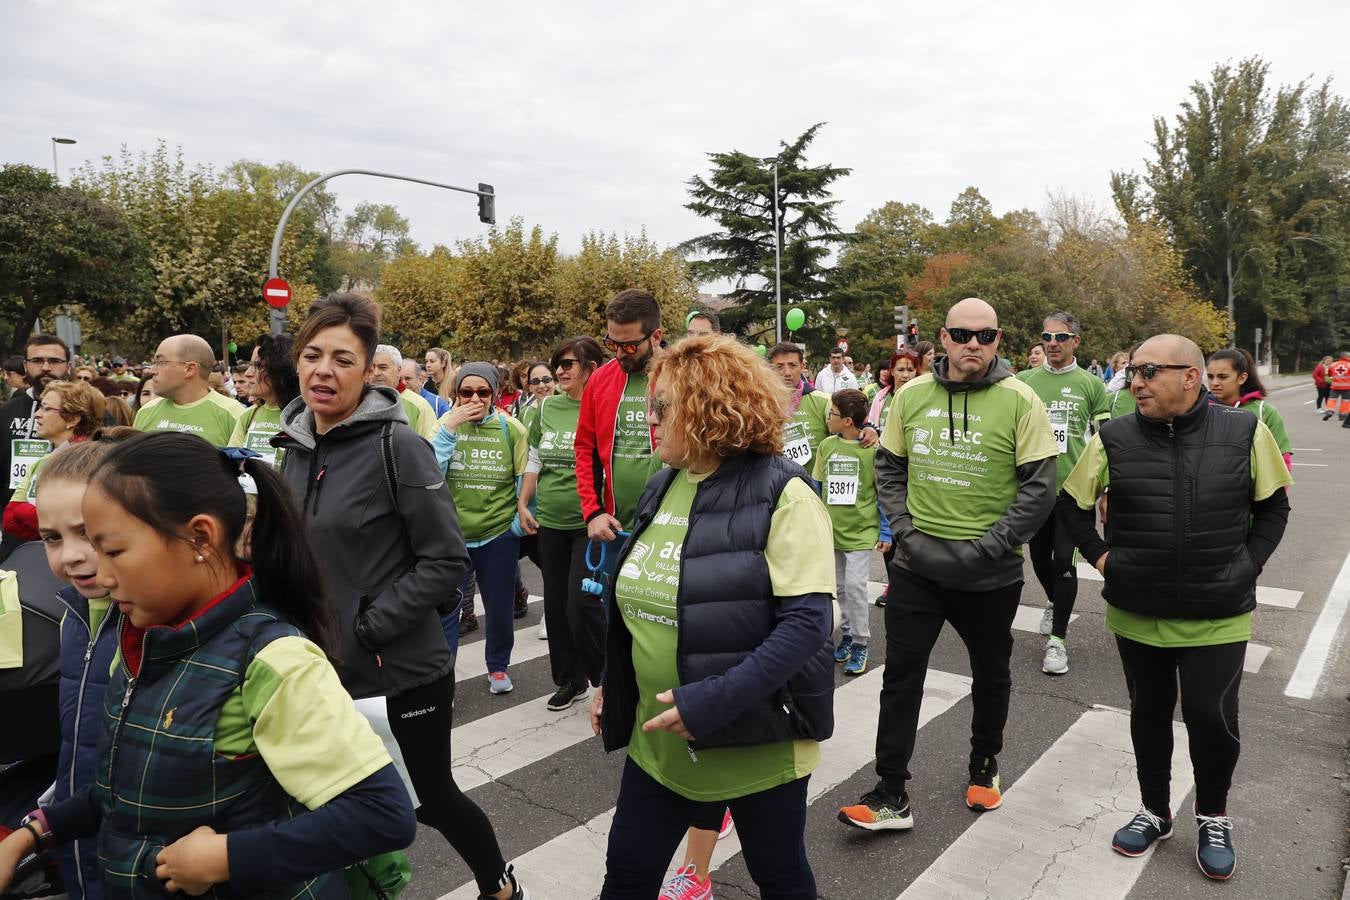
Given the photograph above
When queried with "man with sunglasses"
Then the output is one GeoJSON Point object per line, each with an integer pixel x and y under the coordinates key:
{"type": "Point", "coordinates": [614, 442]}
{"type": "Point", "coordinates": [46, 358]}
{"type": "Point", "coordinates": [966, 476]}
{"type": "Point", "coordinates": [1076, 401]}
{"type": "Point", "coordinates": [1197, 508]}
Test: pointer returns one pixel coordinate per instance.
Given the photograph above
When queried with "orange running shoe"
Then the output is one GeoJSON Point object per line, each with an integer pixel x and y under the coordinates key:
{"type": "Point", "coordinates": [984, 797]}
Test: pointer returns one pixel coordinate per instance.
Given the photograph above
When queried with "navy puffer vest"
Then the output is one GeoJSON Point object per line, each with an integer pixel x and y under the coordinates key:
{"type": "Point", "coordinates": [1180, 510]}
{"type": "Point", "coordinates": [725, 607]}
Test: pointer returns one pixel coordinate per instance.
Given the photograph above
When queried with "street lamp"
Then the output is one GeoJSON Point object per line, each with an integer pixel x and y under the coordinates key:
{"type": "Point", "coordinates": [777, 259]}
{"type": "Point", "coordinates": [58, 140]}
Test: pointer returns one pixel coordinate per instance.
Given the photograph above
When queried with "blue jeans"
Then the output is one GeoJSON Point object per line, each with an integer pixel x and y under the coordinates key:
{"type": "Point", "coordinates": [651, 819]}
{"type": "Point", "coordinates": [496, 565]}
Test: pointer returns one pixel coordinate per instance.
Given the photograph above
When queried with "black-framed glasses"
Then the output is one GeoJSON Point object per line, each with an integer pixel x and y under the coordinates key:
{"type": "Point", "coordinates": [963, 335]}
{"type": "Point", "coordinates": [656, 408]}
{"type": "Point", "coordinates": [629, 347]}
{"type": "Point", "coordinates": [1148, 370]}
{"type": "Point", "coordinates": [543, 379]}
{"type": "Point", "coordinates": [835, 414]}
{"type": "Point", "coordinates": [566, 363]}
{"type": "Point", "coordinates": [46, 361]}
{"type": "Point", "coordinates": [470, 393]}
{"type": "Point", "coordinates": [1058, 337]}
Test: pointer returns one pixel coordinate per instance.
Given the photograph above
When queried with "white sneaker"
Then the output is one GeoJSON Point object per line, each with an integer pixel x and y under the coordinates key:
{"type": "Point", "coordinates": [1056, 661]}
{"type": "Point", "coordinates": [542, 633]}
{"type": "Point", "coordinates": [1048, 619]}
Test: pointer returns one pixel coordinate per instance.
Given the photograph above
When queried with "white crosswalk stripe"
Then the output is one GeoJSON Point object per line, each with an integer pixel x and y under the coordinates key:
{"type": "Point", "coordinates": [1266, 596]}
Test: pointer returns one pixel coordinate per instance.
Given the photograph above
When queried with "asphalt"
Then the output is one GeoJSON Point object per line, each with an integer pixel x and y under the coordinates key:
{"type": "Point", "coordinates": [1290, 800]}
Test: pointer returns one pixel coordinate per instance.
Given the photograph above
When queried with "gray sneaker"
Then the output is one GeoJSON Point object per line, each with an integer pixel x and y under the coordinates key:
{"type": "Point", "coordinates": [1056, 660]}
{"type": "Point", "coordinates": [1048, 619]}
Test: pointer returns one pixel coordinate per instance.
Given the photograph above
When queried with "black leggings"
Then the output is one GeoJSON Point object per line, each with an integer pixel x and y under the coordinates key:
{"type": "Point", "coordinates": [1323, 392]}
{"type": "Point", "coordinates": [1052, 561]}
{"type": "Point", "coordinates": [576, 620]}
{"type": "Point", "coordinates": [1209, 678]}
{"type": "Point", "coordinates": [420, 719]}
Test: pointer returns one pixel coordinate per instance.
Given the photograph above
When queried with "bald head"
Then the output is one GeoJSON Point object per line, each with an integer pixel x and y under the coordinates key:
{"type": "Point", "coordinates": [1171, 348]}
{"type": "Point", "coordinates": [182, 366]}
{"type": "Point", "coordinates": [972, 312]}
{"type": "Point", "coordinates": [190, 348]}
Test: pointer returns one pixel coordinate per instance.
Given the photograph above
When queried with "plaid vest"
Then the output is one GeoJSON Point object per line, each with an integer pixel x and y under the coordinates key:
{"type": "Point", "coordinates": [158, 775]}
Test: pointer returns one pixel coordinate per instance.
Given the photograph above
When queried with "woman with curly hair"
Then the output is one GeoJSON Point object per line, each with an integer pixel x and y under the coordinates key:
{"type": "Point", "coordinates": [731, 550]}
{"type": "Point", "coordinates": [276, 382]}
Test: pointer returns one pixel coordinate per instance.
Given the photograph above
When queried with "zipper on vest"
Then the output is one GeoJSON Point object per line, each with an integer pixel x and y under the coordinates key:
{"type": "Point", "coordinates": [79, 714]}
{"type": "Point", "coordinates": [1178, 506]}
{"type": "Point", "coordinates": [122, 713]}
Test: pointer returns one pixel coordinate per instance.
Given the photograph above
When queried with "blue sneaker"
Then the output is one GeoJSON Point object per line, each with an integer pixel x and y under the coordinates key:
{"type": "Point", "coordinates": [1214, 851]}
{"type": "Point", "coordinates": [499, 683]}
{"type": "Point", "coordinates": [844, 650]}
{"type": "Point", "coordinates": [857, 660]}
{"type": "Point", "coordinates": [1145, 828]}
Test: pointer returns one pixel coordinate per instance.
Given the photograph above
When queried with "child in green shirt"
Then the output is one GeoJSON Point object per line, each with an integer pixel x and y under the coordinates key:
{"type": "Point", "coordinates": [847, 475]}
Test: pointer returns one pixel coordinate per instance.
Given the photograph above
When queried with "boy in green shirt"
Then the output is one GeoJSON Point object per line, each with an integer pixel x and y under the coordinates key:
{"type": "Point", "coordinates": [846, 473]}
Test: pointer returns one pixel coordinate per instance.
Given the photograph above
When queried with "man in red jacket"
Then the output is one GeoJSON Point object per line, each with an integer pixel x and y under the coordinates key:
{"type": "Point", "coordinates": [614, 443]}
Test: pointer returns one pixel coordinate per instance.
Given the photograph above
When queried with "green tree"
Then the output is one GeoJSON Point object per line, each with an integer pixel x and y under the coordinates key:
{"type": "Point", "coordinates": [59, 246]}
{"type": "Point", "coordinates": [738, 196]}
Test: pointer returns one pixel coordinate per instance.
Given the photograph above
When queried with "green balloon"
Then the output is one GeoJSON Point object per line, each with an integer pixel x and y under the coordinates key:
{"type": "Point", "coordinates": [234, 348]}
{"type": "Point", "coordinates": [795, 319]}
{"type": "Point", "coordinates": [759, 350]}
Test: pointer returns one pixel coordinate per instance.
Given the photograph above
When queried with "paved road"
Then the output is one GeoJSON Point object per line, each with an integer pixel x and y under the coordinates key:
{"type": "Point", "coordinates": [1067, 767]}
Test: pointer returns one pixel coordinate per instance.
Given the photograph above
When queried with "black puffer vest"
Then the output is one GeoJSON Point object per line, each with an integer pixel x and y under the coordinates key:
{"type": "Point", "coordinates": [725, 607]}
{"type": "Point", "coordinates": [1180, 510]}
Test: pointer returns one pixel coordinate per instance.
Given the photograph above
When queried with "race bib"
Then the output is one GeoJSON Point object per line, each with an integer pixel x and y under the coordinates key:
{"type": "Point", "coordinates": [841, 482]}
{"type": "Point", "coordinates": [22, 455]}
{"type": "Point", "coordinates": [798, 450]}
{"type": "Point", "coordinates": [257, 441]}
{"type": "Point", "coordinates": [1059, 426]}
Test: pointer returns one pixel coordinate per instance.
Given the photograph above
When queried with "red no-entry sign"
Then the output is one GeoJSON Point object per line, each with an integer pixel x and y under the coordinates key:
{"type": "Point", "coordinates": [277, 292]}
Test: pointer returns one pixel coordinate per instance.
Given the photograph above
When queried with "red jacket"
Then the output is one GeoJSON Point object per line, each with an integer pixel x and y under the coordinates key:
{"type": "Point", "coordinates": [594, 444]}
{"type": "Point", "coordinates": [1320, 375]}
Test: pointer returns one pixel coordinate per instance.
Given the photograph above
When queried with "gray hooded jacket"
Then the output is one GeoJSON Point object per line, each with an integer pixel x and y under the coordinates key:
{"type": "Point", "coordinates": [388, 566]}
{"type": "Point", "coordinates": [983, 564]}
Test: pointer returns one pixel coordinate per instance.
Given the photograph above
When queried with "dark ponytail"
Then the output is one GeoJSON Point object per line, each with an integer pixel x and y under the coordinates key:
{"type": "Point", "coordinates": [164, 478]}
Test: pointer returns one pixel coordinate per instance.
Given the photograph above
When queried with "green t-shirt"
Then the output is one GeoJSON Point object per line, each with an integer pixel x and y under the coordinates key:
{"type": "Point", "coordinates": [807, 428]}
{"type": "Point", "coordinates": [633, 460]}
{"type": "Point", "coordinates": [1073, 400]}
{"type": "Point", "coordinates": [1121, 403]}
{"type": "Point", "coordinates": [482, 474]}
{"type": "Point", "coordinates": [26, 492]}
{"type": "Point", "coordinates": [553, 433]}
{"type": "Point", "coordinates": [212, 417]}
{"type": "Point", "coordinates": [257, 426]}
{"type": "Point", "coordinates": [645, 595]}
{"type": "Point", "coordinates": [1269, 415]}
{"type": "Point", "coordinates": [848, 483]}
{"type": "Point", "coordinates": [1092, 476]}
{"type": "Point", "coordinates": [964, 450]}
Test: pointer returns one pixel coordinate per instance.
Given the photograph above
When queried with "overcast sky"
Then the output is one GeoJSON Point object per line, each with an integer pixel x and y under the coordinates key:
{"type": "Point", "coordinates": [593, 115]}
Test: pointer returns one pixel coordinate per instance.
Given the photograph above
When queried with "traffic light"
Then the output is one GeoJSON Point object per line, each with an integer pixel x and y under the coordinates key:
{"type": "Point", "coordinates": [913, 334]}
{"type": "Point", "coordinates": [487, 204]}
{"type": "Point", "coordinates": [901, 319]}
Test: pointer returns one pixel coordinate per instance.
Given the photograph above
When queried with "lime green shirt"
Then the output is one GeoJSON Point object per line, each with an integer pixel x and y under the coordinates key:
{"type": "Point", "coordinates": [213, 417]}
{"type": "Point", "coordinates": [645, 595]}
{"type": "Point", "coordinates": [633, 460]}
{"type": "Point", "coordinates": [964, 450]}
{"type": "Point", "coordinates": [482, 474]}
{"type": "Point", "coordinates": [26, 492]}
{"type": "Point", "coordinates": [1121, 403]}
{"type": "Point", "coordinates": [1092, 476]}
{"type": "Point", "coordinates": [1269, 415]}
{"type": "Point", "coordinates": [257, 426]}
{"type": "Point", "coordinates": [807, 428]}
{"type": "Point", "coordinates": [553, 433]}
{"type": "Point", "coordinates": [847, 474]}
{"type": "Point", "coordinates": [1074, 399]}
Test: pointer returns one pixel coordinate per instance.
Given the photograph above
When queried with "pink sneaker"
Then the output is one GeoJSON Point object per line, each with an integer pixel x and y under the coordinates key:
{"type": "Point", "coordinates": [727, 825]}
{"type": "Point", "coordinates": [684, 885]}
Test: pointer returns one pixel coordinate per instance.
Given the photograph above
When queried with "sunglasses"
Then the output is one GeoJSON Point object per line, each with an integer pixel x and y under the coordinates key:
{"type": "Point", "coordinates": [629, 347]}
{"type": "Point", "coordinates": [566, 364]}
{"type": "Point", "coordinates": [656, 409]}
{"type": "Point", "coordinates": [470, 393]}
{"type": "Point", "coordinates": [1058, 337]}
{"type": "Point", "coordinates": [963, 335]}
{"type": "Point", "coordinates": [545, 379]}
{"type": "Point", "coordinates": [1148, 370]}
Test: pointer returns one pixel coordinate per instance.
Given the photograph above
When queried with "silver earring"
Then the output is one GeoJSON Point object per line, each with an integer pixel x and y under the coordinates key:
{"type": "Point", "coordinates": [201, 558]}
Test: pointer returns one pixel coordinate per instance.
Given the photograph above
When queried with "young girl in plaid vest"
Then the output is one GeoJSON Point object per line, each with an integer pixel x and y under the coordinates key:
{"type": "Point", "coordinates": [230, 753]}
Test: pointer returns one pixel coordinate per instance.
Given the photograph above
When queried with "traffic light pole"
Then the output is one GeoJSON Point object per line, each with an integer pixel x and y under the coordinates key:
{"type": "Point", "coordinates": [487, 213]}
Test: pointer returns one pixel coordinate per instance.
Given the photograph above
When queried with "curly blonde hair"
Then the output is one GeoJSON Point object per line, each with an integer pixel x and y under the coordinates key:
{"type": "Point", "coordinates": [721, 397]}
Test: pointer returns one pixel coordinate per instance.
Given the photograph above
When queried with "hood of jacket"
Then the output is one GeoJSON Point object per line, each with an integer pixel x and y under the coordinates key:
{"type": "Point", "coordinates": [379, 404]}
{"type": "Point", "coordinates": [996, 372]}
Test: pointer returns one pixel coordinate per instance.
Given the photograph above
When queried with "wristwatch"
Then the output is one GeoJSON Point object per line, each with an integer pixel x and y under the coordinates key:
{"type": "Point", "coordinates": [36, 821]}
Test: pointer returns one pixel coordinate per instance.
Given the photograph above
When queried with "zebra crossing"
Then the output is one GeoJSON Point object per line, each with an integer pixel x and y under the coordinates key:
{"type": "Point", "coordinates": [1051, 837]}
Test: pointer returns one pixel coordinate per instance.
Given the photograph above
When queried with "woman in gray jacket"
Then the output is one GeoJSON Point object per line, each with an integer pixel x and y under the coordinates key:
{"type": "Point", "coordinates": [388, 537]}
